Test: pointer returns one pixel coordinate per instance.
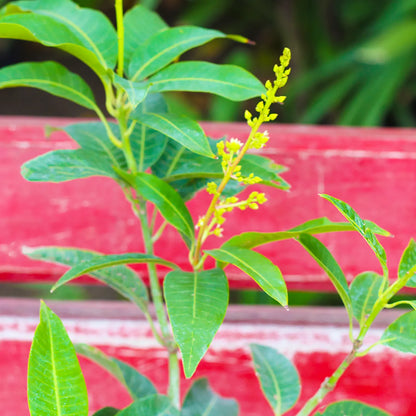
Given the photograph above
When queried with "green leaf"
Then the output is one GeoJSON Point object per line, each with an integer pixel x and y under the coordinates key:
{"type": "Point", "coordinates": [327, 262]}
{"type": "Point", "coordinates": [407, 265]}
{"type": "Point", "coordinates": [109, 260]}
{"type": "Point", "coordinates": [361, 227]}
{"type": "Point", "coordinates": [267, 275]}
{"type": "Point", "coordinates": [401, 334]}
{"type": "Point", "coordinates": [180, 128]}
{"type": "Point", "coordinates": [278, 378]}
{"type": "Point", "coordinates": [364, 292]}
{"type": "Point", "coordinates": [316, 226]}
{"type": "Point", "coordinates": [50, 77]}
{"type": "Point", "coordinates": [352, 408]}
{"type": "Point", "coordinates": [228, 81]}
{"type": "Point", "coordinates": [56, 385]}
{"type": "Point", "coordinates": [139, 25]}
{"type": "Point", "coordinates": [136, 91]}
{"type": "Point", "coordinates": [202, 400]}
{"type": "Point", "coordinates": [165, 46]}
{"type": "Point", "coordinates": [88, 28]}
{"type": "Point", "coordinates": [66, 165]}
{"type": "Point", "coordinates": [156, 405]}
{"type": "Point", "coordinates": [120, 278]}
{"type": "Point", "coordinates": [136, 384]}
{"type": "Point", "coordinates": [196, 302]}
{"type": "Point", "coordinates": [106, 411]}
{"type": "Point", "coordinates": [167, 201]}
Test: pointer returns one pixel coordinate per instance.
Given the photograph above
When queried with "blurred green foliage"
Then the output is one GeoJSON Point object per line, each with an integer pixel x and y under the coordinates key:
{"type": "Point", "coordinates": [353, 60]}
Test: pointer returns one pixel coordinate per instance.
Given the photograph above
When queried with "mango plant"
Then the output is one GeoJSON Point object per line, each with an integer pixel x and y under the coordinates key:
{"type": "Point", "coordinates": [161, 159]}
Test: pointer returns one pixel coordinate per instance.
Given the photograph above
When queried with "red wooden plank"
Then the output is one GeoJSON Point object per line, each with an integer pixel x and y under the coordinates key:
{"type": "Point", "coordinates": [316, 340]}
{"type": "Point", "coordinates": [372, 169]}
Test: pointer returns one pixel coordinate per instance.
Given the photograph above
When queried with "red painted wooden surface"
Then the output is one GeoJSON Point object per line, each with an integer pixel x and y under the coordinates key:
{"type": "Point", "coordinates": [372, 169]}
{"type": "Point", "coordinates": [316, 340]}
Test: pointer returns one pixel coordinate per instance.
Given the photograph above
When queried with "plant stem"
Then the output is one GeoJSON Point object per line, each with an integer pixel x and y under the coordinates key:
{"type": "Point", "coordinates": [120, 37]}
{"type": "Point", "coordinates": [329, 383]}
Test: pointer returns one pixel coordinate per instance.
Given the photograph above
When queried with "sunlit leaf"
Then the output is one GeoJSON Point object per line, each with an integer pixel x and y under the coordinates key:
{"type": "Point", "coordinates": [407, 264]}
{"type": "Point", "coordinates": [401, 334]}
{"type": "Point", "coordinates": [196, 302]}
{"type": "Point", "coordinates": [278, 378]}
{"type": "Point", "coordinates": [156, 405]}
{"type": "Point", "coordinates": [352, 408]}
{"type": "Point", "coordinates": [267, 275]}
{"type": "Point", "coordinates": [228, 81]}
{"type": "Point", "coordinates": [202, 400]}
{"type": "Point", "coordinates": [56, 386]}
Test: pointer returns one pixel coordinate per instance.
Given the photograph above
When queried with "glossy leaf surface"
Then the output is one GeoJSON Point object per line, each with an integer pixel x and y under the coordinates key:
{"type": "Point", "coordinates": [140, 24]}
{"type": "Point", "coordinates": [327, 262]}
{"type": "Point", "coordinates": [136, 91]}
{"type": "Point", "coordinates": [163, 47]}
{"type": "Point", "coordinates": [120, 278]}
{"type": "Point", "coordinates": [196, 302]}
{"type": "Point", "coordinates": [91, 28]}
{"type": "Point", "coordinates": [401, 334]}
{"type": "Point", "coordinates": [168, 202]}
{"type": "Point", "coordinates": [56, 386]}
{"type": "Point", "coordinates": [136, 384]}
{"type": "Point", "coordinates": [267, 275]}
{"type": "Point", "coordinates": [156, 405]}
{"type": "Point", "coordinates": [278, 378]}
{"type": "Point", "coordinates": [360, 226]}
{"type": "Point", "coordinates": [351, 408]}
{"type": "Point", "coordinates": [408, 264]}
{"type": "Point", "coordinates": [180, 128]}
{"type": "Point", "coordinates": [50, 77]}
{"type": "Point", "coordinates": [228, 81]}
{"type": "Point", "coordinates": [364, 292]}
{"type": "Point", "coordinates": [202, 400]}
{"type": "Point", "coordinates": [104, 261]}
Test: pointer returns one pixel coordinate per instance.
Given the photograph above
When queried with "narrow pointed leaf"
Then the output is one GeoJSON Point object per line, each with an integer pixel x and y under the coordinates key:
{"type": "Point", "coordinates": [202, 400]}
{"type": "Point", "coordinates": [165, 46]}
{"type": "Point", "coordinates": [352, 408]}
{"type": "Point", "coordinates": [196, 302]}
{"type": "Point", "coordinates": [228, 81]}
{"type": "Point", "coordinates": [136, 384]}
{"type": "Point", "coordinates": [67, 165]}
{"type": "Point", "coordinates": [327, 262]}
{"type": "Point", "coordinates": [120, 278]}
{"type": "Point", "coordinates": [156, 405]}
{"type": "Point", "coordinates": [167, 201]}
{"type": "Point", "coordinates": [140, 24]}
{"type": "Point", "coordinates": [407, 266]}
{"type": "Point", "coordinates": [401, 334]}
{"type": "Point", "coordinates": [50, 77]}
{"type": "Point", "coordinates": [279, 379]}
{"type": "Point", "coordinates": [104, 261]}
{"type": "Point", "coordinates": [267, 275]}
{"type": "Point", "coordinates": [316, 226]}
{"type": "Point", "coordinates": [361, 227]}
{"type": "Point", "coordinates": [364, 292]}
{"type": "Point", "coordinates": [106, 411]}
{"type": "Point", "coordinates": [56, 386]}
{"type": "Point", "coordinates": [184, 130]}
{"type": "Point", "coordinates": [136, 91]}
{"type": "Point", "coordinates": [91, 28]}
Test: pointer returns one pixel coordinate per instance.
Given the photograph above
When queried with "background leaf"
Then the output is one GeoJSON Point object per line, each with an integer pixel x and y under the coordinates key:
{"type": "Point", "coordinates": [196, 302]}
{"type": "Point", "coordinates": [156, 405]}
{"type": "Point", "coordinates": [136, 384]}
{"type": "Point", "coordinates": [106, 411]}
{"type": "Point", "coordinates": [401, 334]}
{"type": "Point", "coordinates": [166, 45]}
{"type": "Point", "coordinates": [267, 275]}
{"type": "Point", "coordinates": [202, 400]}
{"type": "Point", "coordinates": [50, 77]}
{"type": "Point", "coordinates": [351, 408]}
{"type": "Point", "coordinates": [364, 292]}
{"type": "Point", "coordinates": [228, 81]}
{"type": "Point", "coordinates": [408, 263]}
{"type": "Point", "coordinates": [56, 385]}
{"type": "Point", "coordinates": [278, 378]}
{"type": "Point", "coordinates": [121, 278]}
